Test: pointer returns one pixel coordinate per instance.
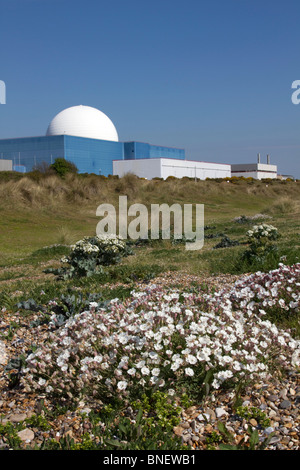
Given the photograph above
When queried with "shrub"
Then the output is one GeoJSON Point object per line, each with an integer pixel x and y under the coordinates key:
{"type": "Point", "coordinates": [62, 166]}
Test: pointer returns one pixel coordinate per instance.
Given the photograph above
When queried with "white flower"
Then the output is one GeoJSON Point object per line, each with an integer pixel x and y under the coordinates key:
{"type": "Point", "coordinates": [98, 358]}
{"type": "Point", "coordinates": [140, 364]}
{"type": "Point", "coordinates": [93, 304]}
{"type": "Point", "coordinates": [189, 371]}
{"type": "Point", "coordinates": [122, 385]}
{"type": "Point", "coordinates": [145, 370]}
{"type": "Point", "coordinates": [191, 359]}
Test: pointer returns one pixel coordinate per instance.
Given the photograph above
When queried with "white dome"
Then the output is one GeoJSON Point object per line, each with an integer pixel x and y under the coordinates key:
{"type": "Point", "coordinates": [83, 121]}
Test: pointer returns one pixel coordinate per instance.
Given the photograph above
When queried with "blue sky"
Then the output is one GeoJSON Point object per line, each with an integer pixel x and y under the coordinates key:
{"type": "Point", "coordinates": [213, 77]}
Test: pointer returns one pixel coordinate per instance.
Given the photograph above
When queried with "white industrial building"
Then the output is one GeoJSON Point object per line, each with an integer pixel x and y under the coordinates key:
{"type": "Point", "coordinates": [164, 167]}
{"type": "Point", "coordinates": [6, 165]}
{"type": "Point", "coordinates": [255, 170]}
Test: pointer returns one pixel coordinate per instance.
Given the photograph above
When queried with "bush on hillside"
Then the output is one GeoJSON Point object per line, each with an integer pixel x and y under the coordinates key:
{"type": "Point", "coordinates": [61, 166]}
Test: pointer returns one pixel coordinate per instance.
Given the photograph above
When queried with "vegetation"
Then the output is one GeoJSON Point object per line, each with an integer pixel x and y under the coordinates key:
{"type": "Point", "coordinates": [61, 167]}
{"type": "Point", "coordinates": [78, 285]}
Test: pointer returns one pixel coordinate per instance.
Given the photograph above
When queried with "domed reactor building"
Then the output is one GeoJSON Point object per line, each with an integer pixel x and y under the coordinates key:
{"type": "Point", "coordinates": [88, 138]}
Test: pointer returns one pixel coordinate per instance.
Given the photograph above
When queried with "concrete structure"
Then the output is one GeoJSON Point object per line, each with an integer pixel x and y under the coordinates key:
{"type": "Point", "coordinates": [164, 167]}
{"type": "Point", "coordinates": [6, 165]}
{"type": "Point", "coordinates": [254, 170]}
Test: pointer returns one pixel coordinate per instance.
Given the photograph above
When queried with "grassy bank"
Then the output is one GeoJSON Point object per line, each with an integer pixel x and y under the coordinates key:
{"type": "Point", "coordinates": [39, 210]}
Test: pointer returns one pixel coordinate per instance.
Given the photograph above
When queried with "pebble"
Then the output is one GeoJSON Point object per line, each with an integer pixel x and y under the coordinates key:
{"type": "Point", "coordinates": [273, 398]}
{"type": "Point", "coordinates": [253, 422]}
{"type": "Point", "coordinates": [186, 437]}
{"type": "Point", "coordinates": [269, 430]}
{"type": "Point", "coordinates": [178, 430]}
{"type": "Point", "coordinates": [275, 440]}
{"type": "Point", "coordinates": [3, 354]}
{"type": "Point", "coordinates": [246, 403]}
{"type": "Point", "coordinates": [285, 404]}
{"type": "Point", "coordinates": [220, 412]}
{"type": "Point", "coordinates": [283, 394]}
{"type": "Point", "coordinates": [26, 435]}
{"type": "Point", "coordinates": [17, 418]}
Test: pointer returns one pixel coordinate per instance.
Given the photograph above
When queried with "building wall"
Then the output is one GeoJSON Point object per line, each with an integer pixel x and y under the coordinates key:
{"type": "Point", "coordinates": [164, 167]}
{"type": "Point", "coordinates": [143, 168]}
{"type": "Point", "coordinates": [258, 175]}
{"type": "Point", "coordinates": [194, 169]}
{"type": "Point", "coordinates": [93, 155]}
{"type": "Point", "coordinates": [89, 155]}
{"type": "Point", "coordinates": [6, 165]}
{"type": "Point", "coordinates": [254, 170]}
{"type": "Point", "coordinates": [28, 152]}
{"type": "Point", "coordinates": [140, 150]}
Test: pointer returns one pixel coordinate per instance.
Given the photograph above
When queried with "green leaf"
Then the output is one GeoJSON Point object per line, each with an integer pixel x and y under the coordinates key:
{"type": "Point", "coordinates": [139, 416]}
{"type": "Point", "coordinates": [113, 442]}
{"type": "Point", "coordinates": [228, 447]}
{"type": "Point", "coordinates": [254, 439]}
{"type": "Point", "coordinates": [223, 430]}
{"type": "Point", "coordinates": [208, 380]}
{"type": "Point", "coordinates": [123, 429]}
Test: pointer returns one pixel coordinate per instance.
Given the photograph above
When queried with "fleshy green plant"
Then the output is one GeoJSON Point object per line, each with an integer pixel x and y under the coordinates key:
{"type": "Point", "coordinates": [89, 255]}
{"type": "Point", "coordinates": [261, 240]}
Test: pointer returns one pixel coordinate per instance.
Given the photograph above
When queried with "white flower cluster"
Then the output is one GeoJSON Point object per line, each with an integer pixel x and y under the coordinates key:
{"type": "Point", "coordinates": [85, 246]}
{"type": "Point", "coordinates": [161, 339]}
{"type": "Point", "coordinates": [263, 230]}
{"type": "Point", "coordinates": [260, 292]}
{"type": "Point", "coordinates": [111, 242]}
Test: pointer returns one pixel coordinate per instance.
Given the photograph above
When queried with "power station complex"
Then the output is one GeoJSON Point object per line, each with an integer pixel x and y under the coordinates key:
{"type": "Point", "coordinates": [87, 137]}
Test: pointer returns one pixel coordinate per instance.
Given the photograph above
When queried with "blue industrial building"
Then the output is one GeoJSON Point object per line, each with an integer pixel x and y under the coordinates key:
{"type": "Point", "coordinates": [84, 136]}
